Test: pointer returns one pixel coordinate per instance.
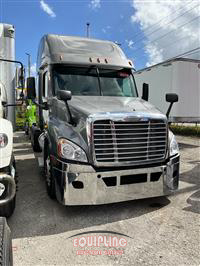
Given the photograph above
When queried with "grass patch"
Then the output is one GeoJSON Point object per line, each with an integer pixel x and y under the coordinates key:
{"type": "Point", "coordinates": [185, 130]}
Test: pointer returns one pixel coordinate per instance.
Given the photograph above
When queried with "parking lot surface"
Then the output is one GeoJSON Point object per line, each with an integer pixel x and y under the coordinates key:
{"type": "Point", "coordinates": [162, 231]}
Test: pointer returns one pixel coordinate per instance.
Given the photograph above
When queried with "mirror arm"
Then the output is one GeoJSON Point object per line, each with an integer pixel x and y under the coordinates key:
{"type": "Point", "coordinates": [13, 104]}
{"type": "Point", "coordinates": [22, 67]}
{"type": "Point", "coordinates": [15, 62]}
{"type": "Point", "coordinates": [169, 109]}
{"type": "Point", "coordinates": [71, 120]}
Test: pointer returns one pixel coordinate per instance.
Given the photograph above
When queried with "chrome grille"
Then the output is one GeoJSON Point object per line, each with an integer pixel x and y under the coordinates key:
{"type": "Point", "coordinates": [119, 142]}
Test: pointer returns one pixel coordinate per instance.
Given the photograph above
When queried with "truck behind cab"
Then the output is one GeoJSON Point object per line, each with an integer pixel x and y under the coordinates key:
{"type": "Point", "coordinates": [179, 75]}
{"type": "Point", "coordinates": [8, 177]}
{"type": "Point", "coordinates": [101, 142]}
{"type": "Point", "coordinates": [8, 84]}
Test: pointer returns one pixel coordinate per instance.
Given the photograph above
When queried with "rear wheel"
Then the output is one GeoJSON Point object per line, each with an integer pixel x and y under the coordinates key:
{"type": "Point", "coordinates": [6, 257]}
{"type": "Point", "coordinates": [50, 181]}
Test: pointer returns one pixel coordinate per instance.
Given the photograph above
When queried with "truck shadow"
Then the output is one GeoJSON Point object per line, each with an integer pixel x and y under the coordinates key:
{"type": "Point", "coordinates": [192, 177]}
{"type": "Point", "coordinates": [186, 146]}
{"type": "Point", "coordinates": [37, 215]}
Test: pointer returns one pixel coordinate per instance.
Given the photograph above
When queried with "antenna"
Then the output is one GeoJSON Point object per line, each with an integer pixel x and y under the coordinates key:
{"type": "Point", "coordinates": [88, 29]}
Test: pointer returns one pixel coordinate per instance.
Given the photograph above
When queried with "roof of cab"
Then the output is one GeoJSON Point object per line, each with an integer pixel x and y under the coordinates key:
{"type": "Point", "coordinates": [77, 50]}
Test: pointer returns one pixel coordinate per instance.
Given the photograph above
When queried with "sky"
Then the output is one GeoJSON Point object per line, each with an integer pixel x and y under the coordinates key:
{"type": "Point", "coordinates": [149, 31]}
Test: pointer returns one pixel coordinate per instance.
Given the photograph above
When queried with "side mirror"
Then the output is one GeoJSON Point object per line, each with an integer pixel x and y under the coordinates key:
{"type": "Point", "coordinates": [145, 91]}
{"type": "Point", "coordinates": [30, 84]}
{"type": "Point", "coordinates": [171, 98]}
{"type": "Point", "coordinates": [64, 95]}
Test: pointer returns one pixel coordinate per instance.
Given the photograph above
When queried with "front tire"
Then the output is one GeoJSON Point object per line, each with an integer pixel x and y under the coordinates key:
{"type": "Point", "coordinates": [50, 180]}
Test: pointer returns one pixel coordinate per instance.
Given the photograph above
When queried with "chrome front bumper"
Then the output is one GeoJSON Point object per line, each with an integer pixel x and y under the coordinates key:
{"type": "Point", "coordinates": [82, 185]}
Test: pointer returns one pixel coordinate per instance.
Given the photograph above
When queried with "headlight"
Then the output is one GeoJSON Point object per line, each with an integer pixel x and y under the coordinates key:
{"type": "Point", "coordinates": [71, 151]}
{"type": "Point", "coordinates": [173, 145]}
{"type": "Point", "coordinates": [3, 140]}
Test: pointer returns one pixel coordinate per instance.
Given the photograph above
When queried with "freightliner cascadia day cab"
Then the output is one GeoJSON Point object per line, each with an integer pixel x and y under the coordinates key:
{"type": "Point", "coordinates": [101, 143]}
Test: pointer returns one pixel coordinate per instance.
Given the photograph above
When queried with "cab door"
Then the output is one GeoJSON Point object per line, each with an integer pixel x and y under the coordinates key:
{"type": "Point", "coordinates": [44, 94]}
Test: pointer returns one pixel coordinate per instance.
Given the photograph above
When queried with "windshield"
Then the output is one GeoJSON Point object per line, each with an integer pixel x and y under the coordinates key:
{"type": "Point", "coordinates": [94, 81]}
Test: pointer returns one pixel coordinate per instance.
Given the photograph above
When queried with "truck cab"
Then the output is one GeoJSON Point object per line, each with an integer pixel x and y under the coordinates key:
{"type": "Point", "coordinates": [101, 142]}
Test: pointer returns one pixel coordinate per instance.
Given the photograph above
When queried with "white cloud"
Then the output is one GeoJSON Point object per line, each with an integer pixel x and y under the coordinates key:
{"type": "Point", "coordinates": [33, 69]}
{"type": "Point", "coordinates": [184, 30]}
{"type": "Point", "coordinates": [106, 29]}
{"type": "Point", "coordinates": [155, 54]}
{"type": "Point", "coordinates": [47, 9]}
{"type": "Point", "coordinates": [95, 4]}
{"type": "Point", "coordinates": [130, 43]}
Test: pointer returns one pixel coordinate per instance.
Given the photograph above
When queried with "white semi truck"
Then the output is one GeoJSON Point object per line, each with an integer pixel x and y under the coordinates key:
{"type": "Point", "coordinates": [8, 177]}
{"type": "Point", "coordinates": [181, 76]}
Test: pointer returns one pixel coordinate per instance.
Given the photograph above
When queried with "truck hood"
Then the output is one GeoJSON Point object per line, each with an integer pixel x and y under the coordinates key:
{"type": "Point", "coordinates": [84, 107]}
{"type": "Point", "coordinates": [90, 105]}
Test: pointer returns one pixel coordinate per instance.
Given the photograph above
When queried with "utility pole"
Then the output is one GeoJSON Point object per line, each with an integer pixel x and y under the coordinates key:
{"type": "Point", "coordinates": [88, 30]}
{"type": "Point", "coordinates": [29, 64]}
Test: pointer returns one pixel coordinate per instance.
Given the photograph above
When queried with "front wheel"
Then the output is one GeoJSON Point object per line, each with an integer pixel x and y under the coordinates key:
{"type": "Point", "coordinates": [50, 181]}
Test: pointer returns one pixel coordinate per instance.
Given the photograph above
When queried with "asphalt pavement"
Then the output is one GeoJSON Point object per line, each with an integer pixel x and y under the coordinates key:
{"type": "Point", "coordinates": [158, 231]}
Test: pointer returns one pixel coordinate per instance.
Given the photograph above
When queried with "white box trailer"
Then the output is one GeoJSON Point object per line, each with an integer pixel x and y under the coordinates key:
{"type": "Point", "coordinates": [181, 76]}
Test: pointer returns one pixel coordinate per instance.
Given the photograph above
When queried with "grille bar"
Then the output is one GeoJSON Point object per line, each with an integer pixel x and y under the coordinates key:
{"type": "Point", "coordinates": [133, 124]}
{"type": "Point", "coordinates": [127, 129]}
{"type": "Point", "coordinates": [122, 134]}
{"type": "Point", "coordinates": [126, 138]}
{"type": "Point", "coordinates": [128, 143]}
{"type": "Point", "coordinates": [129, 148]}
